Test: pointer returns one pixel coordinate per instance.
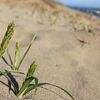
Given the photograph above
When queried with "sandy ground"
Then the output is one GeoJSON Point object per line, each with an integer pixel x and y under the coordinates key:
{"type": "Point", "coordinates": [61, 56]}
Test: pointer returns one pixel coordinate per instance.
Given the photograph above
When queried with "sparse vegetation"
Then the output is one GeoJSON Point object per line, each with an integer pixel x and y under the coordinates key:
{"type": "Point", "coordinates": [30, 82]}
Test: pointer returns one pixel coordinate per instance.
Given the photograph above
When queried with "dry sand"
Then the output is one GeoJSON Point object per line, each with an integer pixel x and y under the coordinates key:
{"type": "Point", "coordinates": [62, 57]}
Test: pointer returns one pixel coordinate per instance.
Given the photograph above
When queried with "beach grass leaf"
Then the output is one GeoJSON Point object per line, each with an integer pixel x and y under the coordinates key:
{"type": "Point", "coordinates": [31, 70]}
{"type": "Point", "coordinates": [17, 54]}
{"type": "Point", "coordinates": [7, 37]}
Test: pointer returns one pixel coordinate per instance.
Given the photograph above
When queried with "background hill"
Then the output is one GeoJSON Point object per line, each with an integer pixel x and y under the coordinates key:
{"type": "Point", "coordinates": [51, 12]}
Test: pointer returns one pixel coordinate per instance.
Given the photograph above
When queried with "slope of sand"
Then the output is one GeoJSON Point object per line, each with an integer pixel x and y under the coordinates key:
{"type": "Point", "coordinates": [67, 55]}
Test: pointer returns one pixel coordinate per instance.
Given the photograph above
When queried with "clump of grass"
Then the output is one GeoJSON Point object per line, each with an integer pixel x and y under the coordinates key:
{"type": "Point", "coordinates": [30, 83]}
{"type": "Point", "coordinates": [16, 63]}
{"type": "Point", "coordinates": [7, 37]}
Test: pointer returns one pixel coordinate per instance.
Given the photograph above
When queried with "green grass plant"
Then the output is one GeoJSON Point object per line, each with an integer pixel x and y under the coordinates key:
{"type": "Point", "coordinates": [30, 82]}
{"type": "Point", "coordinates": [16, 63]}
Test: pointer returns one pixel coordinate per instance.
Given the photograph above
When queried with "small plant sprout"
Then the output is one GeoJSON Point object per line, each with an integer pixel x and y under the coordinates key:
{"type": "Point", "coordinates": [16, 63]}
{"type": "Point", "coordinates": [7, 37]}
{"type": "Point", "coordinates": [26, 85]}
{"type": "Point", "coordinates": [30, 83]}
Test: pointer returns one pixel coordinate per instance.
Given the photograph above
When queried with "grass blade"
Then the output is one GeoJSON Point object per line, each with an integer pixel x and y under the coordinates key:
{"type": "Point", "coordinates": [10, 57]}
{"type": "Point", "coordinates": [24, 56]}
{"type": "Point", "coordinates": [6, 39]}
{"type": "Point", "coordinates": [32, 86]}
{"type": "Point", "coordinates": [29, 88]}
{"type": "Point", "coordinates": [17, 52]}
{"type": "Point", "coordinates": [54, 92]}
{"type": "Point", "coordinates": [12, 81]}
{"type": "Point", "coordinates": [41, 84]}
{"type": "Point", "coordinates": [34, 36]}
{"type": "Point", "coordinates": [7, 86]}
{"type": "Point", "coordinates": [31, 70]}
{"type": "Point", "coordinates": [24, 87]}
{"type": "Point", "coordinates": [2, 72]}
{"type": "Point", "coordinates": [6, 61]}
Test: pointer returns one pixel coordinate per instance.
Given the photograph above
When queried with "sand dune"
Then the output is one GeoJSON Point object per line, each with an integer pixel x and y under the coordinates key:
{"type": "Point", "coordinates": [66, 52]}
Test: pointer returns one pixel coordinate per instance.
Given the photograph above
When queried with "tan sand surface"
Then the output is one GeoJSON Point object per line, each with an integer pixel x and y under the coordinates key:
{"type": "Point", "coordinates": [62, 57]}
